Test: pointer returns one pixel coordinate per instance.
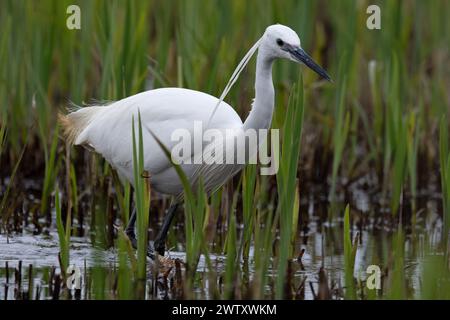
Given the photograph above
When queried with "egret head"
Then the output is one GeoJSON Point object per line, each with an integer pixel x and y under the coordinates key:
{"type": "Point", "coordinates": [282, 42]}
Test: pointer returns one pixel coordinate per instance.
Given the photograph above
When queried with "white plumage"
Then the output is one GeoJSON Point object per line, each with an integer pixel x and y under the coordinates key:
{"type": "Point", "coordinates": [107, 129]}
{"type": "Point", "coordinates": [162, 111]}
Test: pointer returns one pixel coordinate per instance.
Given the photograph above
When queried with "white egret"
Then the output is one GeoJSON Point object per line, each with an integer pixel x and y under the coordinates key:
{"type": "Point", "coordinates": [107, 129]}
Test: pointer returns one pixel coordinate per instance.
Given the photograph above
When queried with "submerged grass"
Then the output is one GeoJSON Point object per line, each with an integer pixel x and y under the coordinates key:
{"type": "Point", "coordinates": [341, 130]}
{"type": "Point", "coordinates": [349, 256]}
{"type": "Point", "coordinates": [127, 268]}
{"type": "Point", "coordinates": [51, 169]}
{"type": "Point", "coordinates": [287, 182]}
{"type": "Point", "coordinates": [64, 233]}
{"type": "Point", "coordinates": [142, 203]}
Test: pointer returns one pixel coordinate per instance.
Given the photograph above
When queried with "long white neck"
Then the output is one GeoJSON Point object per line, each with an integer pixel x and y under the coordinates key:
{"type": "Point", "coordinates": [260, 116]}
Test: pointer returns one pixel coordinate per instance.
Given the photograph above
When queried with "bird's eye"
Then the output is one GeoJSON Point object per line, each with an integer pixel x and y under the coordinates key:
{"type": "Point", "coordinates": [280, 42]}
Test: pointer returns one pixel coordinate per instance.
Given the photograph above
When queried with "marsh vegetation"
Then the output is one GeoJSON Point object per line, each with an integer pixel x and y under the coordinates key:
{"type": "Point", "coordinates": [375, 142]}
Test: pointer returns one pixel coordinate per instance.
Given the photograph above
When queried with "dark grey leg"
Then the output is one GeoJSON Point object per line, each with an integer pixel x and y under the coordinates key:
{"type": "Point", "coordinates": [132, 235]}
{"type": "Point", "coordinates": [160, 239]}
{"type": "Point", "coordinates": [130, 229]}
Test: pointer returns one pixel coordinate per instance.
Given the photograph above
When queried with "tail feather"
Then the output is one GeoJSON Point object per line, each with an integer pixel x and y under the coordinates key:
{"type": "Point", "coordinates": [74, 123]}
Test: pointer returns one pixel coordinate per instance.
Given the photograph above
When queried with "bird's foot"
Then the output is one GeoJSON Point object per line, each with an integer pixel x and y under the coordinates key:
{"type": "Point", "coordinates": [155, 247]}
{"type": "Point", "coordinates": [151, 248]}
{"type": "Point", "coordinates": [160, 247]}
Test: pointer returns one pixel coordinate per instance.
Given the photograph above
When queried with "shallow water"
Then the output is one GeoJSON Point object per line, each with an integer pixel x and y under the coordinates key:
{"type": "Point", "coordinates": [322, 241]}
{"type": "Point", "coordinates": [323, 247]}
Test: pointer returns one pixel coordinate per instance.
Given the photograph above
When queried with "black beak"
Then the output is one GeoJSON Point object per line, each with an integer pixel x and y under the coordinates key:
{"type": "Point", "coordinates": [301, 56]}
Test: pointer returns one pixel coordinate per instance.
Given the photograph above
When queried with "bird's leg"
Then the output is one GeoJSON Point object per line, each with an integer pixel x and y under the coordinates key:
{"type": "Point", "coordinates": [160, 239]}
{"type": "Point", "coordinates": [132, 235]}
{"type": "Point", "coordinates": [130, 229]}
